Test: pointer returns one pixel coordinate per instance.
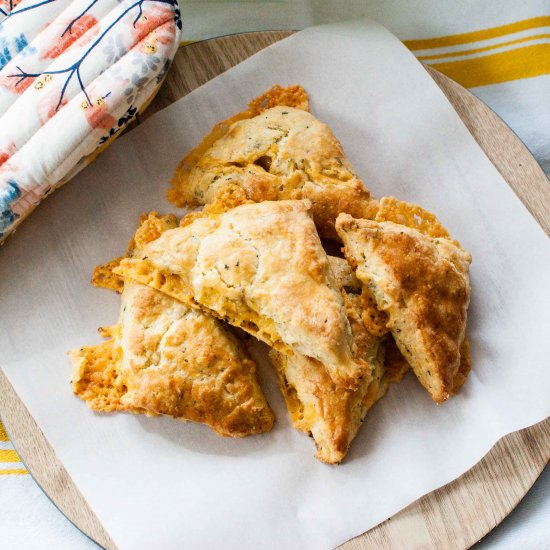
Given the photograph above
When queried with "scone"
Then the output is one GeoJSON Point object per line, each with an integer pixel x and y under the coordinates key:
{"type": "Point", "coordinates": [422, 284]}
{"type": "Point", "coordinates": [282, 153]}
{"type": "Point", "coordinates": [167, 358]}
{"type": "Point", "coordinates": [415, 217]}
{"type": "Point", "coordinates": [260, 267]}
{"type": "Point", "coordinates": [333, 415]}
{"type": "Point", "coordinates": [164, 357]}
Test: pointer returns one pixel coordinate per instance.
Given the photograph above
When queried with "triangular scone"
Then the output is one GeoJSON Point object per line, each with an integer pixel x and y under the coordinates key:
{"type": "Point", "coordinates": [180, 362]}
{"type": "Point", "coordinates": [422, 284]}
{"type": "Point", "coordinates": [164, 357]}
{"type": "Point", "coordinates": [412, 215]}
{"type": "Point", "coordinates": [167, 358]}
{"type": "Point", "coordinates": [333, 415]}
{"type": "Point", "coordinates": [260, 267]}
{"type": "Point", "coordinates": [282, 153]}
{"type": "Point", "coordinates": [290, 96]}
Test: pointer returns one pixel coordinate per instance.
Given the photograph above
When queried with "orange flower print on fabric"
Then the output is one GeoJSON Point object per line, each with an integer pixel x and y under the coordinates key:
{"type": "Point", "coordinates": [50, 94]}
{"type": "Point", "coordinates": [8, 6]}
{"type": "Point", "coordinates": [7, 153]}
{"type": "Point", "coordinates": [161, 35]}
{"type": "Point", "coordinates": [96, 114]}
{"type": "Point", "coordinates": [74, 32]}
{"type": "Point", "coordinates": [49, 104]}
{"type": "Point", "coordinates": [154, 17]}
{"type": "Point", "coordinates": [14, 84]}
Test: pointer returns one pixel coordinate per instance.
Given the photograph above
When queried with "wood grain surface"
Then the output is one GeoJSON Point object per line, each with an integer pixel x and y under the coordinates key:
{"type": "Point", "coordinates": [458, 514]}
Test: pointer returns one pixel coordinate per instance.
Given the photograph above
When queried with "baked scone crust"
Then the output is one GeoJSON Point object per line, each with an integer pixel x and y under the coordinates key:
{"type": "Point", "coordinates": [422, 284]}
{"type": "Point", "coordinates": [260, 267]}
{"type": "Point", "coordinates": [282, 153]}
{"type": "Point", "coordinates": [416, 217]}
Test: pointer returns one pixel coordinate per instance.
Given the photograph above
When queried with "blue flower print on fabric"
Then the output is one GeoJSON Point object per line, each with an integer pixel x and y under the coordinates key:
{"type": "Point", "coordinates": [7, 197]}
{"type": "Point", "coordinates": [7, 50]}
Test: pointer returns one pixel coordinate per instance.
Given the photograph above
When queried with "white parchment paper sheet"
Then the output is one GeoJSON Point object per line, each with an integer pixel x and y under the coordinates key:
{"type": "Point", "coordinates": [158, 483]}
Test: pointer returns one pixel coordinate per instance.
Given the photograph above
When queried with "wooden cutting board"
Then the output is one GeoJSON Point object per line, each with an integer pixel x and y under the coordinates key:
{"type": "Point", "coordinates": [455, 516]}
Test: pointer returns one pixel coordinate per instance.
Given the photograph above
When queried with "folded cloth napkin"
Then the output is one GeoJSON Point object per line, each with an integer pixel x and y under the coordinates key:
{"type": "Point", "coordinates": [500, 49]}
{"type": "Point", "coordinates": [72, 75]}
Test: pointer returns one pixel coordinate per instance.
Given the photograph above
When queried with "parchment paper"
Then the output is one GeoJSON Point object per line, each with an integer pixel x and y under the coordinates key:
{"type": "Point", "coordinates": [159, 483]}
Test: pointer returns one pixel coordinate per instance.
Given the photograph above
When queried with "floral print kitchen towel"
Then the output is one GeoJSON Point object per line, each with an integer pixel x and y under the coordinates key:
{"type": "Point", "coordinates": [72, 75]}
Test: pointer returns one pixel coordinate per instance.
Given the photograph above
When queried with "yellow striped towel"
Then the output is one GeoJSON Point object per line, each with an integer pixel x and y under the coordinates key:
{"type": "Point", "coordinates": [10, 464]}
{"type": "Point", "coordinates": [28, 519]}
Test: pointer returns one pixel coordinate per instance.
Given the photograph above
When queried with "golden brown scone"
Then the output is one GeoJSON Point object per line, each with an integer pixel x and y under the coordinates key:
{"type": "Point", "coordinates": [422, 284]}
{"type": "Point", "coordinates": [414, 216]}
{"type": "Point", "coordinates": [260, 267]}
{"type": "Point", "coordinates": [283, 153]}
{"type": "Point", "coordinates": [330, 414]}
{"type": "Point", "coordinates": [277, 96]}
{"type": "Point", "coordinates": [167, 358]}
{"type": "Point", "coordinates": [179, 362]}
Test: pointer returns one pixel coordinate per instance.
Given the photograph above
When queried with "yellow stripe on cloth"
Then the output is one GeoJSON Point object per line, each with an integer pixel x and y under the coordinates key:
{"type": "Point", "coordinates": [524, 62]}
{"type": "Point", "coordinates": [484, 49]}
{"type": "Point", "coordinates": [476, 36]}
{"type": "Point", "coordinates": [8, 455]}
{"type": "Point", "coordinates": [3, 434]}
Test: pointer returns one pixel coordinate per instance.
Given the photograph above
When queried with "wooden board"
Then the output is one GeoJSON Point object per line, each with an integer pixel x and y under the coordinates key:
{"type": "Point", "coordinates": [458, 514]}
